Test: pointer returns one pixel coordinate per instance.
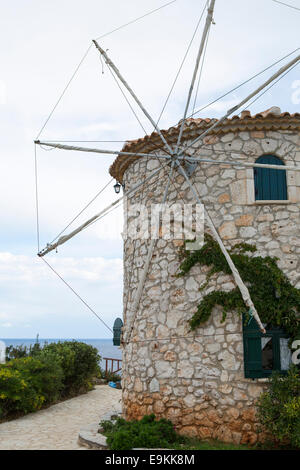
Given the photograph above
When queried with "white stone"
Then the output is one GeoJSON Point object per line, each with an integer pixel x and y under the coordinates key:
{"type": "Point", "coordinates": [164, 369]}
{"type": "Point", "coordinates": [154, 385]}
{"type": "Point", "coordinates": [227, 360]}
{"type": "Point", "coordinates": [191, 284]}
{"type": "Point", "coordinates": [248, 232]}
{"type": "Point", "coordinates": [212, 348]}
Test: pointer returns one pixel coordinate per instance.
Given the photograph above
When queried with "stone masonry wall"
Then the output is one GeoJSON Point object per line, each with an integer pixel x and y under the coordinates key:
{"type": "Point", "coordinates": [196, 379]}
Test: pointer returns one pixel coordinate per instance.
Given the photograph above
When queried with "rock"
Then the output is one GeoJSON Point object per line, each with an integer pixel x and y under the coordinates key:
{"type": "Point", "coordinates": [189, 400]}
{"type": "Point", "coordinates": [239, 395]}
{"type": "Point", "coordinates": [226, 388]}
{"type": "Point", "coordinates": [249, 438]}
{"type": "Point", "coordinates": [154, 385]}
{"type": "Point", "coordinates": [170, 356]}
{"type": "Point", "coordinates": [227, 360]}
{"type": "Point", "coordinates": [228, 231]}
{"type": "Point", "coordinates": [254, 391]}
{"type": "Point", "coordinates": [248, 232]}
{"type": "Point", "coordinates": [223, 198]}
{"type": "Point", "coordinates": [244, 220]}
{"type": "Point", "coordinates": [158, 407]}
{"type": "Point", "coordinates": [164, 369]}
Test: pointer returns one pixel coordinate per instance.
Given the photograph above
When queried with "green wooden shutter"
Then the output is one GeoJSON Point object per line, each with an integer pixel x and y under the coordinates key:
{"type": "Point", "coordinates": [252, 349]}
{"type": "Point", "coordinates": [270, 184]}
{"type": "Point", "coordinates": [117, 328]}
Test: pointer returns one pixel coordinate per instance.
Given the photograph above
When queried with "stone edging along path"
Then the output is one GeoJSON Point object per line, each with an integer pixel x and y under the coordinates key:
{"type": "Point", "coordinates": [90, 437]}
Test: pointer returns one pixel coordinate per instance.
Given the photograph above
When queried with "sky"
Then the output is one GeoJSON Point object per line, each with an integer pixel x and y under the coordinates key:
{"type": "Point", "coordinates": [41, 45]}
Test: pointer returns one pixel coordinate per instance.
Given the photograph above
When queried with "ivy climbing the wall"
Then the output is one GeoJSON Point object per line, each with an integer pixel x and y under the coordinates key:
{"type": "Point", "coordinates": [276, 300]}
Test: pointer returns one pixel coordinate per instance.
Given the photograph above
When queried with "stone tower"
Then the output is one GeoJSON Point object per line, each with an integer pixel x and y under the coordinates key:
{"type": "Point", "coordinates": [197, 379]}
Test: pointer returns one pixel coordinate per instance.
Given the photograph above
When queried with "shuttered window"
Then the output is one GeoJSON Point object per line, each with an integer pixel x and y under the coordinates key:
{"type": "Point", "coordinates": [270, 184]}
{"type": "Point", "coordinates": [264, 353]}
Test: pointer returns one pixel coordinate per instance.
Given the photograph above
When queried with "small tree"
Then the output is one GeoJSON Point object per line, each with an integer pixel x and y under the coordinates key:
{"type": "Point", "coordinates": [279, 407]}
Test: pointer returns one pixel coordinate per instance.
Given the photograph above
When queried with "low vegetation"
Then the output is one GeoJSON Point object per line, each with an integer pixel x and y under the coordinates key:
{"type": "Point", "coordinates": [150, 433]}
{"type": "Point", "coordinates": [37, 377]}
{"type": "Point", "coordinates": [279, 408]}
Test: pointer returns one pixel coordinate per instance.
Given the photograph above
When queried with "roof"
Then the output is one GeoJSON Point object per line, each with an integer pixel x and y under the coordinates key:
{"type": "Point", "coordinates": [270, 120]}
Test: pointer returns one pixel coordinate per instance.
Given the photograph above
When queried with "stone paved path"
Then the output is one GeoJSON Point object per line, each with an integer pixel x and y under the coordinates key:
{"type": "Point", "coordinates": [57, 427]}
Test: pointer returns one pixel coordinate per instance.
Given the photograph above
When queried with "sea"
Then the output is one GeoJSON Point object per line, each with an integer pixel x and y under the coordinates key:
{"type": "Point", "coordinates": [104, 346]}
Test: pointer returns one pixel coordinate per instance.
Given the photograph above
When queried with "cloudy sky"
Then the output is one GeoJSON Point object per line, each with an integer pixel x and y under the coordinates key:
{"type": "Point", "coordinates": [41, 45]}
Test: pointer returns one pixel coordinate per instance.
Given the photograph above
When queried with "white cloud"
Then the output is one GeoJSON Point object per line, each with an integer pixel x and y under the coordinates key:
{"type": "Point", "coordinates": [20, 268]}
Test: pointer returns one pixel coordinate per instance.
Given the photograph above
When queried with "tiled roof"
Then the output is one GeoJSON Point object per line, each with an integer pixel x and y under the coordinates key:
{"type": "Point", "coordinates": [269, 120]}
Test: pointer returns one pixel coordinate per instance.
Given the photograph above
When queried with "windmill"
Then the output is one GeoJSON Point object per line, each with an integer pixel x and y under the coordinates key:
{"type": "Point", "coordinates": [174, 157]}
{"type": "Point", "coordinates": [156, 387]}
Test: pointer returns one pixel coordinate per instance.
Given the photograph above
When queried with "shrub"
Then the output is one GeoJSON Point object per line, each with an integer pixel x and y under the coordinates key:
{"type": "Point", "coordinates": [33, 377]}
{"type": "Point", "coordinates": [18, 352]}
{"type": "Point", "coordinates": [279, 407]}
{"type": "Point", "coordinates": [16, 395]}
{"type": "Point", "coordinates": [42, 373]}
{"type": "Point", "coordinates": [147, 432]}
{"type": "Point", "coordinates": [79, 362]}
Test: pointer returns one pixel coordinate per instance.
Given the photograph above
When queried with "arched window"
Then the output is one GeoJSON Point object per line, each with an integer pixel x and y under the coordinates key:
{"type": "Point", "coordinates": [270, 184]}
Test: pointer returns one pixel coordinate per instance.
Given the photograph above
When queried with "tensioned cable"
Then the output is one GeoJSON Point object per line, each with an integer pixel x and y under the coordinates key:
{"type": "Point", "coordinates": [36, 199]}
{"type": "Point", "coordinates": [243, 83]}
{"type": "Point", "coordinates": [77, 295]}
{"type": "Point", "coordinates": [136, 19]}
{"type": "Point", "coordinates": [215, 123]}
{"type": "Point", "coordinates": [85, 56]}
{"type": "Point", "coordinates": [271, 86]}
{"type": "Point", "coordinates": [64, 90]}
{"type": "Point", "coordinates": [181, 65]}
{"type": "Point", "coordinates": [126, 99]}
{"type": "Point", "coordinates": [287, 5]}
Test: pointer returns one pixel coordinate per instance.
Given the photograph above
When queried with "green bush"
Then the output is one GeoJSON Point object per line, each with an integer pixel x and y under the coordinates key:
{"type": "Point", "coordinates": [43, 374]}
{"type": "Point", "coordinates": [18, 352]}
{"type": "Point", "coordinates": [147, 432]}
{"type": "Point", "coordinates": [16, 394]}
{"type": "Point", "coordinates": [79, 362]}
{"type": "Point", "coordinates": [35, 376]}
{"type": "Point", "coordinates": [279, 407]}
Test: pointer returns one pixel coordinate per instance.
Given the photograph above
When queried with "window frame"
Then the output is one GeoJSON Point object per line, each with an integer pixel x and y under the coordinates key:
{"type": "Point", "coordinates": [252, 336]}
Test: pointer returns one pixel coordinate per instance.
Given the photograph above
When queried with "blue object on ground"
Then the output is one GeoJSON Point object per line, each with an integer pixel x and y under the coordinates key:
{"type": "Point", "coordinates": [112, 384]}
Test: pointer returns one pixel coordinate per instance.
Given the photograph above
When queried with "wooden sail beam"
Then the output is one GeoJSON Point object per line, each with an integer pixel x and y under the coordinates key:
{"type": "Point", "coordinates": [186, 157]}
{"type": "Point", "coordinates": [101, 151]}
{"type": "Point", "coordinates": [208, 22]}
{"type": "Point", "coordinates": [65, 238]}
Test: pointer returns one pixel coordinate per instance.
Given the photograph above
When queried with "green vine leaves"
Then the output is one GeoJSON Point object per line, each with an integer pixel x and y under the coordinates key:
{"type": "Point", "coordinates": [276, 300]}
